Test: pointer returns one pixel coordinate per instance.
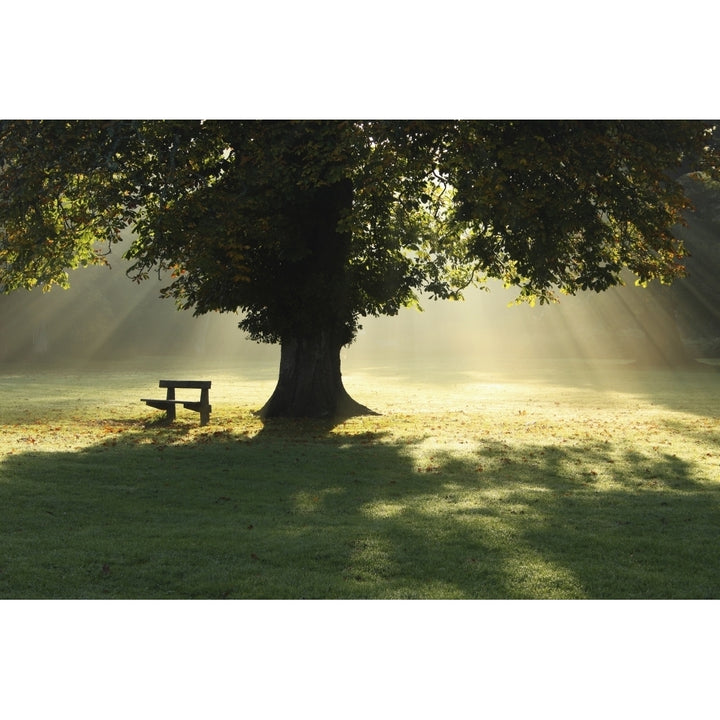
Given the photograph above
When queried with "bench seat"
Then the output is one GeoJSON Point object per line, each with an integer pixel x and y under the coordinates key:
{"type": "Point", "coordinates": [168, 404]}
{"type": "Point", "coordinates": [165, 404]}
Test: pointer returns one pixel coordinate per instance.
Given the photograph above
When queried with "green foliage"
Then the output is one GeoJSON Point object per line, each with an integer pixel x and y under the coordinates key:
{"type": "Point", "coordinates": [304, 225]}
{"type": "Point", "coordinates": [569, 205]}
{"type": "Point", "coordinates": [59, 199]}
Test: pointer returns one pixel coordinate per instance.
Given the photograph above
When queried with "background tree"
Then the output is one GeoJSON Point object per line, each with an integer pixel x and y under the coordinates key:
{"type": "Point", "coordinates": [672, 325]}
{"type": "Point", "coordinates": [308, 226]}
{"type": "Point", "coordinates": [696, 298]}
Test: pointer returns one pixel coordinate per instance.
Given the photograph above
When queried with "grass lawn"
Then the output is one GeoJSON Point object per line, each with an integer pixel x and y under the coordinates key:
{"type": "Point", "coordinates": [552, 482]}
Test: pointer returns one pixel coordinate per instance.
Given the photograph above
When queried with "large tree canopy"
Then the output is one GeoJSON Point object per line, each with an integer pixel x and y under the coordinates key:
{"type": "Point", "coordinates": [307, 226]}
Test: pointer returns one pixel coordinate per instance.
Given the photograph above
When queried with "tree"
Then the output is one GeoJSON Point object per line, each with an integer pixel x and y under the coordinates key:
{"type": "Point", "coordinates": [697, 297]}
{"type": "Point", "coordinates": [308, 226]}
{"type": "Point", "coordinates": [675, 324]}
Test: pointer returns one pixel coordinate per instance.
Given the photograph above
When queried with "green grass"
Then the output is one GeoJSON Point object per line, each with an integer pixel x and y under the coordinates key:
{"type": "Point", "coordinates": [546, 484]}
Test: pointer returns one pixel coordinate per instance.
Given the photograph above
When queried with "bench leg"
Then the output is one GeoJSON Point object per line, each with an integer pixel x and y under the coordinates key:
{"type": "Point", "coordinates": [204, 407]}
{"type": "Point", "coordinates": [171, 408]}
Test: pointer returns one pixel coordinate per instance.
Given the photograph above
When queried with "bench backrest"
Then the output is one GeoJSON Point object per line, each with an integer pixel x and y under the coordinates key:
{"type": "Point", "coordinates": [202, 384]}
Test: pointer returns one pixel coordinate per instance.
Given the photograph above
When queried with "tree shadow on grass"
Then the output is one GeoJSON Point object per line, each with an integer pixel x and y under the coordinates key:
{"type": "Point", "coordinates": [299, 511]}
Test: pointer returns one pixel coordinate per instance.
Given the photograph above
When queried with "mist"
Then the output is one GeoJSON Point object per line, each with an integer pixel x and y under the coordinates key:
{"type": "Point", "coordinates": [105, 319]}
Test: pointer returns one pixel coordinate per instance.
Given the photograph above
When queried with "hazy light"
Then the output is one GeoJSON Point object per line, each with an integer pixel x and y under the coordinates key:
{"type": "Point", "coordinates": [106, 317]}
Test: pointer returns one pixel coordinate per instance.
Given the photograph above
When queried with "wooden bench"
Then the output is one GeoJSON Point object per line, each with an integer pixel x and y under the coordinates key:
{"type": "Point", "coordinates": [169, 403]}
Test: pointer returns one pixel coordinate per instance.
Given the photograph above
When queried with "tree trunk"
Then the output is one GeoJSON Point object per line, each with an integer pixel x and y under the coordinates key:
{"type": "Point", "coordinates": [310, 382]}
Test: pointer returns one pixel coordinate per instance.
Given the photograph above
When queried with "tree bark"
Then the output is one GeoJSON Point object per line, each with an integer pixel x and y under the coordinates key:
{"type": "Point", "coordinates": [310, 382]}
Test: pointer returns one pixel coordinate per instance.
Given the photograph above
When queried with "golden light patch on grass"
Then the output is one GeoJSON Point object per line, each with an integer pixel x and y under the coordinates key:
{"type": "Point", "coordinates": [312, 502]}
{"type": "Point", "coordinates": [383, 509]}
{"type": "Point", "coordinates": [528, 571]}
{"type": "Point", "coordinates": [370, 560]}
